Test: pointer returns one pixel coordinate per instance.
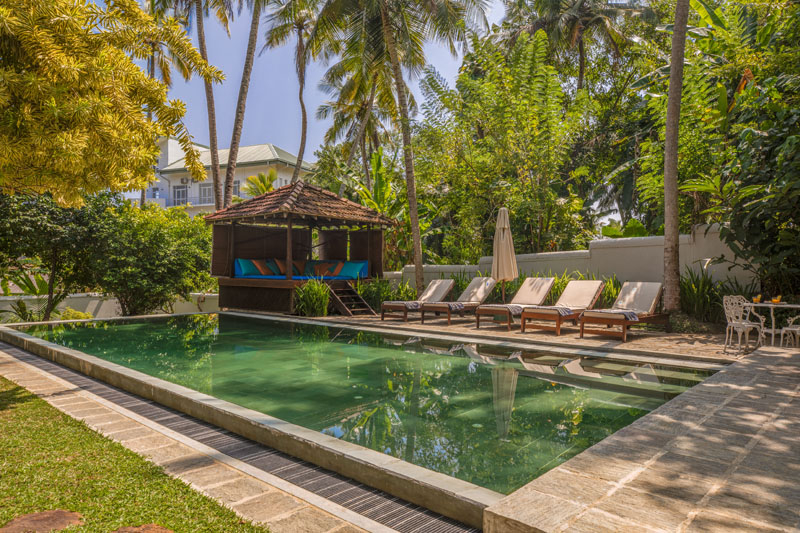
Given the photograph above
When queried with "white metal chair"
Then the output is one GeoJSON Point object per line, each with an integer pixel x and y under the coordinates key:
{"type": "Point", "coordinates": [738, 316]}
{"type": "Point", "coordinates": [792, 331]}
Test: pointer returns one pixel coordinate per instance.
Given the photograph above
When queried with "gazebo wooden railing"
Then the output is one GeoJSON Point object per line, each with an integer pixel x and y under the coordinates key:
{"type": "Point", "coordinates": [281, 226]}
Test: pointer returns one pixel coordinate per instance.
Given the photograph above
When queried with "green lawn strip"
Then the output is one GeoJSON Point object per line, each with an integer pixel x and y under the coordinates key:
{"type": "Point", "coordinates": [49, 460]}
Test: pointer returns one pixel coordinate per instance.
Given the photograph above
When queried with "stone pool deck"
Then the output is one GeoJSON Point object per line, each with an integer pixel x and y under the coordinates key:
{"type": "Point", "coordinates": [701, 346]}
{"type": "Point", "coordinates": [723, 456]}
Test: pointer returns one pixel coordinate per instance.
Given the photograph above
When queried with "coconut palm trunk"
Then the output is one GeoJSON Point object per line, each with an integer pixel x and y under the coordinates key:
{"type": "Point", "coordinates": [238, 120]}
{"type": "Point", "coordinates": [300, 63]}
{"type": "Point", "coordinates": [671, 227]}
{"type": "Point", "coordinates": [210, 108]}
{"type": "Point", "coordinates": [408, 154]}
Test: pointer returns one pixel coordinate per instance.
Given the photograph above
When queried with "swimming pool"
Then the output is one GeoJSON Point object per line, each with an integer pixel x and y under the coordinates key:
{"type": "Point", "coordinates": [489, 415]}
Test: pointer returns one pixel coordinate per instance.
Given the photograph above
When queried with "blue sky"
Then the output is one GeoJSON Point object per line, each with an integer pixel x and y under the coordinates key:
{"type": "Point", "coordinates": [273, 111]}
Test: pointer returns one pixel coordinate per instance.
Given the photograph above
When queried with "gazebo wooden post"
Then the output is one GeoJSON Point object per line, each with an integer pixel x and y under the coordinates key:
{"type": "Point", "coordinates": [289, 247]}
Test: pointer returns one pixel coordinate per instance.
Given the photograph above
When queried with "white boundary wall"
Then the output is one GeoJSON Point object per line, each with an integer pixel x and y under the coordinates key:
{"type": "Point", "coordinates": [106, 307]}
{"type": "Point", "coordinates": [632, 259]}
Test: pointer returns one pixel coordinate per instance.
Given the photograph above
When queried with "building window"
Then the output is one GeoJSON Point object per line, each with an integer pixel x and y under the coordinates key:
{"type": "Point", "coordinates": [206, 194]}
{"type": "Point", "coordinates": [179, 194]}
{"type": "Point", "coordinates": [236, 187]}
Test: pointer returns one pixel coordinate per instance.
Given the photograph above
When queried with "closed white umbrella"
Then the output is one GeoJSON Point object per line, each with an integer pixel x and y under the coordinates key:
{"type": "Point", "coordinates": [504, 261]}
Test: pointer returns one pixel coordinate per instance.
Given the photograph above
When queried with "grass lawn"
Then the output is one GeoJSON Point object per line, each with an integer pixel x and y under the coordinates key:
{"type": "Point", "coordinates": [51, 461]}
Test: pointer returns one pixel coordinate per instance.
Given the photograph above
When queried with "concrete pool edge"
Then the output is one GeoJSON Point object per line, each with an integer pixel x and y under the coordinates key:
{"type": "Point", "coordinates": [440, 493]}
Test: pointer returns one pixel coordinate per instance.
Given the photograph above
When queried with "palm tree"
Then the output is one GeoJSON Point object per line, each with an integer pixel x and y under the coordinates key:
{"type": "Point", "coordinates": [244, 86]}
{"type": "Point", "coordinates": [260, 183]}
{"type": "Point", "coordinates": [404, 27]}
{"type": "Point", "coordinates": [364, 103]}
{"type": "Point", "coordinates": [223, 9]}
{"type": "Point", "coordinates": [569, 23]}
{"type": "Point", "coordinates": [295, 17]}
{"type": "Point", "coordinates": [672, 269]}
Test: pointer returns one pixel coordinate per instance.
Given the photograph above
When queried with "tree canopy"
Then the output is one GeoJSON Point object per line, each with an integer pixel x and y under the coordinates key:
{"type": "Point", "coordinates": [73, 99]}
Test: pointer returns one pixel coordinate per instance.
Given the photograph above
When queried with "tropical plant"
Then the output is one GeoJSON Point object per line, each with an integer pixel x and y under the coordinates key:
{"type": "Point", "coordinates": [406, 25]}
{"type": "Point", "coordinates": [501, 139]}
{"type": "Point", "coordinates": [223, 10]}
{"type": "Point", "coordinates": [386, 197]}
{"type": "Point", "coordinates": [73, 101]}
{"type": "Point", "coordinates": [312, 298]}
{"type": "Point", "coordinates": [298, 18]}
{"type": "Point", "coordinates": [569, 24]}
{"type": "Point", "coordinates": [380, 290]}
{"type": "Point", "coordinates": [256, 7]}
{"type": "Point", "coordinates": [260, 183]}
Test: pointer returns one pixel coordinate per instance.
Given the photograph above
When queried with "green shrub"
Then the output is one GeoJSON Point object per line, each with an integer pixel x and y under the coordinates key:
{"type": "Point", "coordinates": [381, 290]}
{"type": "Point", "coordinates": [311, 299]}
{"type": "Point", "coordinates": [73, 314]}
{"type": "Point", "coordinates": [149, 257]}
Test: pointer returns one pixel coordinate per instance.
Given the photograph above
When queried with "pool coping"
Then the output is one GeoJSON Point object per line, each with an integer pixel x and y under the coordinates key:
{"type": "Point", "coordinates": [438, 492]}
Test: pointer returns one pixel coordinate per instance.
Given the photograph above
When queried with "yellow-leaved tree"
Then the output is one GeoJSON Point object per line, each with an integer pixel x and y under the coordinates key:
{"type": "Point", "coordinates": [74, 103]}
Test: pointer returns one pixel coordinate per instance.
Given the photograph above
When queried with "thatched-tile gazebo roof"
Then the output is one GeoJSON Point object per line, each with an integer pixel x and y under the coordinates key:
{"type": "Point", "coordinates": [300, 200]}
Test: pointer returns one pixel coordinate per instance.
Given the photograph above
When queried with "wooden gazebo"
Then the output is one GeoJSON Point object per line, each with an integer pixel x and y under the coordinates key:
{"type": "Point", "coordinates": [293, 224]}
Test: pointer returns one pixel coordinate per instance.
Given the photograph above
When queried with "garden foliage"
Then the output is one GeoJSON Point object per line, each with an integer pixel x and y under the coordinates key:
{"type": "Point", "coordinates": [73, 98]}
{"type": "Point", "coordinates": [146, 258]}
{"type": "Point", "coordinates": [312, 298]}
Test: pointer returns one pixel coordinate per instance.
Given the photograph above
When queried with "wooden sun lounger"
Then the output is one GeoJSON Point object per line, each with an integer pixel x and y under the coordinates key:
{"type": "Point", "coordinates": [533, 291]}
{"type": "Point", "coordinates": [472, 297]}
{"type": "Point", "coordinates": [641, 298]}
{"type": "Point", "coordinates": [578, 296]}
{"type": "Point", "coordinates": [436, 291]}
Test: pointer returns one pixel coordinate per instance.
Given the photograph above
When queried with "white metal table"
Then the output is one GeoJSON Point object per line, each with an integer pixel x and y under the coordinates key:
{"type": "Point", "coordinates": [772, 308]}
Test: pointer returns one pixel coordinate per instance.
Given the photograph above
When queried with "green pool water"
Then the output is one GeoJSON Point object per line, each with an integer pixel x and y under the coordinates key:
{"type": "Point", "coordinates": [490, 416]}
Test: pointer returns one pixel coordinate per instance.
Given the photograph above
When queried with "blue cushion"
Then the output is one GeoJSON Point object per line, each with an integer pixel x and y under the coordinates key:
{"type": "Point", "coordinates": [353, 270]}
{"type": "Point", "coordinates": [248, 268]}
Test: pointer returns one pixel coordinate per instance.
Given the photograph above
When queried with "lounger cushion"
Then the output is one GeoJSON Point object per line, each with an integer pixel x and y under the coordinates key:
{"type": "Point", "coordinates": [437, 290]}
{"type": "Point", "coordinates": [410, 305]}
{"type": "Point", "coordinates": [533, 291]}
{"type": "Point", "coordinates": [551, 310]}
{"type": "Point", "coordinates": [613, 314]}
{"type": "Point", "coordinates": [513, 309]}
{"type": "Point", "coordinates": [580, 294]}
{"type": "Point", "coordinates": [641, 297]}
{"type": "Point", "coordinates": [477, 291]}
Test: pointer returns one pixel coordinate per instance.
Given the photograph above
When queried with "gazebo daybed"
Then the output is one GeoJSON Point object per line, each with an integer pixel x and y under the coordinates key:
{"type": "Point", "coordinates": [262, 248]}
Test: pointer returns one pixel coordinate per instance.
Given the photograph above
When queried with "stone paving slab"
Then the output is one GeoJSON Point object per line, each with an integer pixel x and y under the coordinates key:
{"type": "Point", "coordinates": [721, 457]}
{"type": "Point", "coordinates": [260, 502]}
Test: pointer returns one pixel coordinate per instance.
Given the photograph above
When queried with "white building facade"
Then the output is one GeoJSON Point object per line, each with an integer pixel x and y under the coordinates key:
{"type": "Point", "coordinates": [174, 185]}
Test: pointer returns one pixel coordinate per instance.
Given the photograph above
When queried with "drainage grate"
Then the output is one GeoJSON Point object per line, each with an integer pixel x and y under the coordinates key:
{"type": "Point", "coordinates": [374, 504]}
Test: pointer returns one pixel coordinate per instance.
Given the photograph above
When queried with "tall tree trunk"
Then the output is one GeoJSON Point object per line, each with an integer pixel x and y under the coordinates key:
{"type": "Point", "coordinates": [672, 268]}
{"type": "Point", "coordinates": [365, 162]}
{"type": "Point", "coordinates": [362, 128]}
{"type": "Point", "coordinates": [151, 73]}
{"type": "Point", "coordinates": [212, 114]}
{"type": "Point", "coordinates": [581, 63]}
{"type": "Point", "coordinates": [51, 285]}
{"type": "Point", "coordinates": [408, 154]}
{"type": "Point", "coordinates": [238, 120]}
{"type": "Point", "coordinates": [300, 63]}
